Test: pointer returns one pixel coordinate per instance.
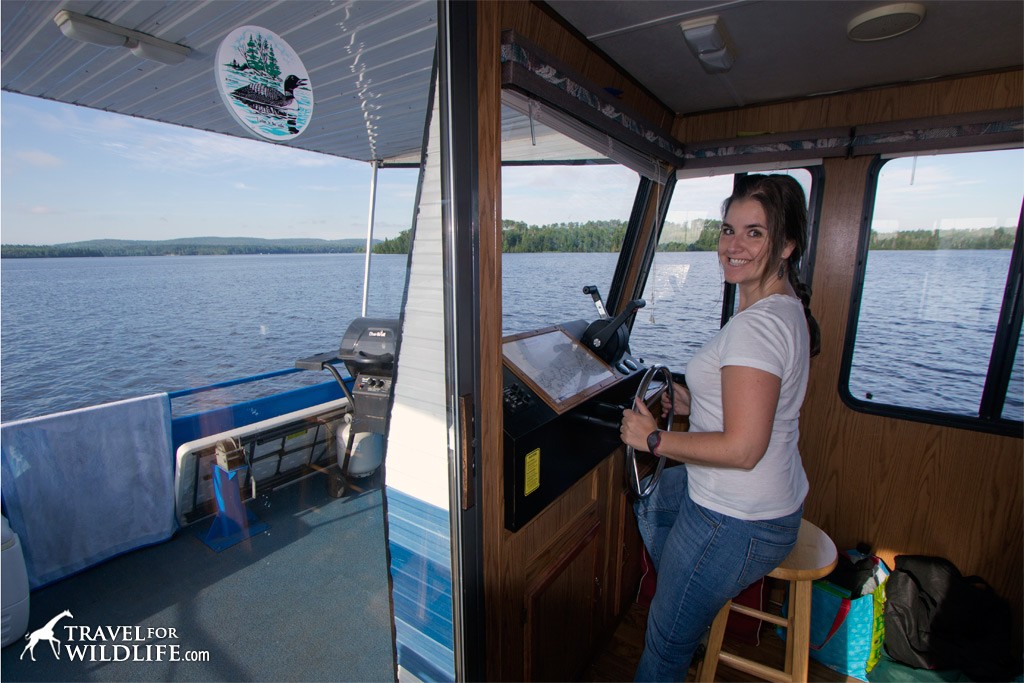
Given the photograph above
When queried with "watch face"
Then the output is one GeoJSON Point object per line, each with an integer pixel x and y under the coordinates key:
{"type": "Point", "coordinates": [653, 441]}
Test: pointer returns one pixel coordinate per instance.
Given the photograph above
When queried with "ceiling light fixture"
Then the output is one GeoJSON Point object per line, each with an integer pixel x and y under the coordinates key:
{"type": "Point", "coordinates": [99, 32]}
{"type": "Point", "coordinates": [708, 40]}
{"type": "Point", "coordinates": [885, 22]}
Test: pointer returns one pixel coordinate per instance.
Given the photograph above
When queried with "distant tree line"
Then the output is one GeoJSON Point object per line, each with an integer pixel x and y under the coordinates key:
{"type": "Point", "coordinates": [398, 245]}
{"type": "Point", "coordinates": [983, 238]}
{"type": "Point", "coordinates": [708, 240]}
{"type": "Point", "coordinates": [517, 237]}
{"type": "Point", "coordinates": [181, 248]}
{"type": "Point", "coordinates": [32, 251]}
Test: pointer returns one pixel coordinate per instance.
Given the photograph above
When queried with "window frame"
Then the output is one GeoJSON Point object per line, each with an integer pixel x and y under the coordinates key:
{"type": "Point", "coordinates": [1004, 345]}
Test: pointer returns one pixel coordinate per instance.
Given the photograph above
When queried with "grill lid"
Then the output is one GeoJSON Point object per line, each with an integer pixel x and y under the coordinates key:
{"type": "Point", "coordinates": [369, 345]}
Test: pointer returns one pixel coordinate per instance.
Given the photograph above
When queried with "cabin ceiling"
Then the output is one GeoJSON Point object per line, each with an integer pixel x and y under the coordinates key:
{"type": "Point", "coordinates": [370, 61]}
{"type": "Point", "coordinates": [786, 49]}
{"type": "Point", "coordinates": [369, 64]}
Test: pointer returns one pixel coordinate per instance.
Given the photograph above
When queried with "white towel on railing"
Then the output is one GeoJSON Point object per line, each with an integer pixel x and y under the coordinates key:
{"type": "Point", "coordinates": [83, 486]}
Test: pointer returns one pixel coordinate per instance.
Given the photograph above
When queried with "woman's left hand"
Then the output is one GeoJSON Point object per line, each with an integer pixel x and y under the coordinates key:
{"type": "Point", "coordinates": [637, 425]}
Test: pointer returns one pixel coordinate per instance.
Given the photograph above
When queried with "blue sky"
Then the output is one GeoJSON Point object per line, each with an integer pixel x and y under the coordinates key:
{"type": "Point", "coordinates": [70, 174]}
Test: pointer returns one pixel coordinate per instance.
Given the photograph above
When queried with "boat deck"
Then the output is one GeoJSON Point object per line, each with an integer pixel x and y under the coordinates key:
{"type": "Point", "coordinates": [306, 600]}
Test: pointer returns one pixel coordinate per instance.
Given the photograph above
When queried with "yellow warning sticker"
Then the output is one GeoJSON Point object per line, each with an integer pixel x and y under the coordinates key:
{"type": "Point", "coordinates": [531, 482]}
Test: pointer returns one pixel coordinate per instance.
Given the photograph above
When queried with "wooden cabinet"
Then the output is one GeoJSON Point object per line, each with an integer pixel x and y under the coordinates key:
{"type": "Point", "coordinates": [564, 580]}
{"type": "Point", "coordinates": [562, 603]}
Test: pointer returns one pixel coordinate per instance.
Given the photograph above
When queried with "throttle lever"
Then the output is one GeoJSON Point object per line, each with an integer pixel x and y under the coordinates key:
{"type": "Point", "coordinates": [602, 312]}
{"type": "Point", "coordinates": [602, 337]}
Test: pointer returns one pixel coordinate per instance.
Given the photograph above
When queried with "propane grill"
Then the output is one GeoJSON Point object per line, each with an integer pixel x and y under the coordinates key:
{"type": "Point", "coordinates": [368, 350]}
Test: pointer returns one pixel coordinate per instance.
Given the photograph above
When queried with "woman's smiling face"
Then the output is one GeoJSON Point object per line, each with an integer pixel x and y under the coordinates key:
{"type": "Point", "coordinates": [743, 244]}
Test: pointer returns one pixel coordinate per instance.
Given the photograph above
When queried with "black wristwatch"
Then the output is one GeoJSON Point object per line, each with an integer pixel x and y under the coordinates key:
{"type": "Point", "coordinates": [653, 441]}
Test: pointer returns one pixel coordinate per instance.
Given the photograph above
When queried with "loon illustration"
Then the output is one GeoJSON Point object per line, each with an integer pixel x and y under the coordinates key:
{"type": "Point", "coordinates": [266, 100]}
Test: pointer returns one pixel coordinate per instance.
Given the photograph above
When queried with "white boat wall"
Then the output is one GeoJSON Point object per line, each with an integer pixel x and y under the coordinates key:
{"type": "Point", "coordinates": [421, 444]}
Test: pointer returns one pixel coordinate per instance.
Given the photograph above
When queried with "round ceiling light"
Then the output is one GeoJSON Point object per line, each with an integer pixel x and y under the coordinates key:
{"type": "Point", "coordinates": [885, 22]}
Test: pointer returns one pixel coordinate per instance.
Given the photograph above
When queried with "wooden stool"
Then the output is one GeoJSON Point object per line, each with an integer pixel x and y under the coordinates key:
{"type": "Point", "coordinates": [813, 557]}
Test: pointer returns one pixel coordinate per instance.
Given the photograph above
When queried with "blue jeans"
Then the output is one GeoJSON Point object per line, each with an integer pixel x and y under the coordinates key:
{"type": "Point", "coordinates": [702, 558]}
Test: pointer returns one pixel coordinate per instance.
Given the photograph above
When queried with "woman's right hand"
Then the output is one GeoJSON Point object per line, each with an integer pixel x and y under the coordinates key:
{"type": "Point", "coordinates": [682, 401]}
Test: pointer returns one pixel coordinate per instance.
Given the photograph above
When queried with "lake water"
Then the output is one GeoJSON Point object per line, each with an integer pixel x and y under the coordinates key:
{"type": "Point", "coordinates": [78, 332]}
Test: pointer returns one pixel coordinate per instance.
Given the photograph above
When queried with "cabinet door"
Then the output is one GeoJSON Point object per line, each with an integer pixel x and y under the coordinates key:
{"type": "Point", "coordinates": [561, 605]}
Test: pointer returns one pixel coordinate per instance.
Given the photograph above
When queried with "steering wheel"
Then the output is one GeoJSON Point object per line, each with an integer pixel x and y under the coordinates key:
{"type": "Point", "coordinates": [641, 392]}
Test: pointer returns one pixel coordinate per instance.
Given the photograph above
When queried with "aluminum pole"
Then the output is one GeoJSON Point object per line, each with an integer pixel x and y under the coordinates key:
{"type": "Point", "coordinates": [369, 236]}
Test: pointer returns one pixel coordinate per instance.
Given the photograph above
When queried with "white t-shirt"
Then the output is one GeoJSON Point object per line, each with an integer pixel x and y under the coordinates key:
{"type": "Point", "coordinates": [769, 335]}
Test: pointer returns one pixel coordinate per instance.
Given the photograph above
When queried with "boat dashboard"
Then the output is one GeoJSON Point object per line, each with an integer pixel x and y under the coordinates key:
{"type": "Point", "coordinates": [564, 389]}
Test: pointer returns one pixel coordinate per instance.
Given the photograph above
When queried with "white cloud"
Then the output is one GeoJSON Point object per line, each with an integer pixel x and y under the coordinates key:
{"type": "Point", "coordinates": [39, 158]}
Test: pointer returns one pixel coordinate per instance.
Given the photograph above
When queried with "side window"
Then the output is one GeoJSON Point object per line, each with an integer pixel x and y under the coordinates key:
{"type": "Point", "coordinates": [930, 331]}
{"type": "Point", "coordinates": [685, 290]}
{"type": "Point", "coordinates": [562, 229]}
{"type": "Point", "coordinates": [565, 208]}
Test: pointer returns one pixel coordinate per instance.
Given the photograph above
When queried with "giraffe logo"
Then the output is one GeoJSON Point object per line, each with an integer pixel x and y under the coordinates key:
{"type": "Point", "coordinates": [45, 633]}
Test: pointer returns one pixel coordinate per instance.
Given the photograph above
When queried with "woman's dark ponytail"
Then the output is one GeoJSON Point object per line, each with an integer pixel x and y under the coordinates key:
{"type": "Point", "coordinates": [804, 292]}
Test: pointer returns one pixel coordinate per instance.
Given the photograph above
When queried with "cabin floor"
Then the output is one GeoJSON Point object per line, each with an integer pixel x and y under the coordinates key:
{"type": "Point", "coordinates": [308, 599]}
{"type": "Point", "coordinates": [617, 661]}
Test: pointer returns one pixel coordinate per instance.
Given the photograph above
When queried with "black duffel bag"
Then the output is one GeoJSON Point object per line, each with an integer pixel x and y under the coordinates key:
{"type": "Point", "coordinates": [936, 618]}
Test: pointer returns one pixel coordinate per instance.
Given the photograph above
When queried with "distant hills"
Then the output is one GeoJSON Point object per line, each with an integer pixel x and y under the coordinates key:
{"type": "Point", "coordinates": [517, 236]}
{"type": "Point", "coordinates": [185, 246]}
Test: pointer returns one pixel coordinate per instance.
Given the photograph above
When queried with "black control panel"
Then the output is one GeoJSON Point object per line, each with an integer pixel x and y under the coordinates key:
{"type": "Point", "coordinates": [516, 397]}
{"type": "Point", "coordinates": [546, 453]}
{"type": "Point", "coordinates": [372, 394]}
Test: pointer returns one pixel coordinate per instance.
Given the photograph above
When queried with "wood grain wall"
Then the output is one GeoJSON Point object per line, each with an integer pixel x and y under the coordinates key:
{"type": "Point", "coordinates": [904, 487]}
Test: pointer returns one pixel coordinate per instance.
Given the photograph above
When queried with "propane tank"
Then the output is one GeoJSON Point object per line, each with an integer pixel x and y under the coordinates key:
{"type": "Point", "coordinates": [367, 450]}
{"type": "Point", "coordinates": [15, 597]}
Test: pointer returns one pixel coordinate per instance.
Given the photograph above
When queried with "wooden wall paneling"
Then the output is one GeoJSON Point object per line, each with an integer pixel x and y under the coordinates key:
{"type": "Point", "coordinates": [824, 424]}
{"type": "Point", "coordinates": [906, 487]}
{"type": "Point", "coordinates": [490, 460]}
{"type": "Point", "coordinates": [933, 98]}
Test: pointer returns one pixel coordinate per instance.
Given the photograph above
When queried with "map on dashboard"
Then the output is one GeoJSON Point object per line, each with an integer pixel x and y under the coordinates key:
{"type": "Point", "coordinates": [557, 366]}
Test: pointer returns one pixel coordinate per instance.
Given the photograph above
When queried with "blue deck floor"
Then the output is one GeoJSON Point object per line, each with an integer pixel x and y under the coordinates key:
{"type": "Point", "coordinates": [307, 600]}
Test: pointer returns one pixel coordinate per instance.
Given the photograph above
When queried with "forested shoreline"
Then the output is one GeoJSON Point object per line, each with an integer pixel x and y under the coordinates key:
{"type": "Point", "coordinates": [517, 237]}
{"type": "Point", "coordinates": [199, 246]}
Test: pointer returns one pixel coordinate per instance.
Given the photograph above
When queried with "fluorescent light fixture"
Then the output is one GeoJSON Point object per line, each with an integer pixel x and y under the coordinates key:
{"type": "Point", "coordinates": [162, 51]}
{"type": "Point", "coordinates": [89, 30]}
{"type": "Point", "coordinates": [99, 32]}
{"type": "Point", "coordinates": [707, 39]}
